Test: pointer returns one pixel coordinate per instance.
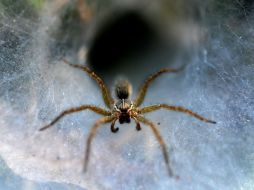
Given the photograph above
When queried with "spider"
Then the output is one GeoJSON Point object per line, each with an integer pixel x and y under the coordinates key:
{"type": "Point", "coordinates": [123, 110]}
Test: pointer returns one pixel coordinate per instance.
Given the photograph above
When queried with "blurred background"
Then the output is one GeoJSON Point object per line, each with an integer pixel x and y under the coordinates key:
{"type": "Point", "coordinates": [212, 39]}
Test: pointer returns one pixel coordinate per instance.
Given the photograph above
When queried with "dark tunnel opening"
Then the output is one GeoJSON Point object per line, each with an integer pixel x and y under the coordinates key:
{"type": "Point", "coordinates": [122, 36]}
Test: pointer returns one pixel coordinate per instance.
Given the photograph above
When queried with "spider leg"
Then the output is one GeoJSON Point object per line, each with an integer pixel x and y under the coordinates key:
{"type": "Point", "coordinates": [104, 90]}
{"type": "Point", "coordinates": [174, 108]}
{"type": "Point", "coordinates": [113, 129]}
{"type": "Point", "coordinates": [143, 89]}
{"type": "Point", "coordinates": [76, 109]}
{"type": "Point", "coordinates": [160, 139]}
{"type": "Point", "coordinates": [91, 135]}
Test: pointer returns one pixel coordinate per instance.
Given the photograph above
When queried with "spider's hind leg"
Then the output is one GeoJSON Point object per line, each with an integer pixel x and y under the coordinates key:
{"type": "Point", "coordinates": [143, 89]}
{"type": "Point", "coordinates": [108, 100]}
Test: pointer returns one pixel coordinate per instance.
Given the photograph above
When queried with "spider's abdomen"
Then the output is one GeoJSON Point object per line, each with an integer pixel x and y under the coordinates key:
{"type": "Point", "coordinates": [123, 89]}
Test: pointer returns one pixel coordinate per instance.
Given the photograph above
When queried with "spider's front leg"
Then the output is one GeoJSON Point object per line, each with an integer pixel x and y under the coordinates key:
{"type": "Point", "coordinates": [77, 109]}
{"type": "Point", "coordinates": [174, 108]}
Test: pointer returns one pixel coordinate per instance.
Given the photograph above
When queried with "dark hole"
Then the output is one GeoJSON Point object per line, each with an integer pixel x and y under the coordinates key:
{"type": "Point", "coordinates": [126, 34]}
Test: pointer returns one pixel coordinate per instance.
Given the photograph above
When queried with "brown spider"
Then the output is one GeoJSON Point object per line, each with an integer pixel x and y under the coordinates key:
{"type": "Point", "coordinates": [123, 109]}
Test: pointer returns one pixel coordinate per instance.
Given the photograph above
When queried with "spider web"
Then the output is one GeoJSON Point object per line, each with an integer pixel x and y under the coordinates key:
{"type": "Point", "coordinates": [217, 82]}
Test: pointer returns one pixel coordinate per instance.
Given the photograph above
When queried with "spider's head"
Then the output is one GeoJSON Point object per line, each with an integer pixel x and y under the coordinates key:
{"type": "Point", "coordinates": [123, 89]}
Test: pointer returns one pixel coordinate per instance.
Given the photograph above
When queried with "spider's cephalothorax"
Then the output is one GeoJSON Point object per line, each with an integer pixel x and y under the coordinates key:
{"type": "Point", "coordinates": [123, 106]}
{"type": "Point", "coordinates": [124, 110]}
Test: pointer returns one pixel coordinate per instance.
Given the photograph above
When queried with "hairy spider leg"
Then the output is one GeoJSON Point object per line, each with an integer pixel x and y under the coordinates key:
{"type": "Point", "coordinates": [108, 100]}
{"type": "Point", "coordinates": [143, 89]}
{"type": "Point", "coordinates": [174, 108]}
{"type": "Point", "coordinates": [113, 129]}
{"type": "Point", "coordinates": [160, 139]}
{"type": "Point", "coordinates": [77, 109]}
{"type": "Point", "coordinates": [91, 135]}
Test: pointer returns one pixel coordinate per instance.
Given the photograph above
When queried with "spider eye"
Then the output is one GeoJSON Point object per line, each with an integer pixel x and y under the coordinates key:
{"type": "Point", "coordinates": [123, 89]}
